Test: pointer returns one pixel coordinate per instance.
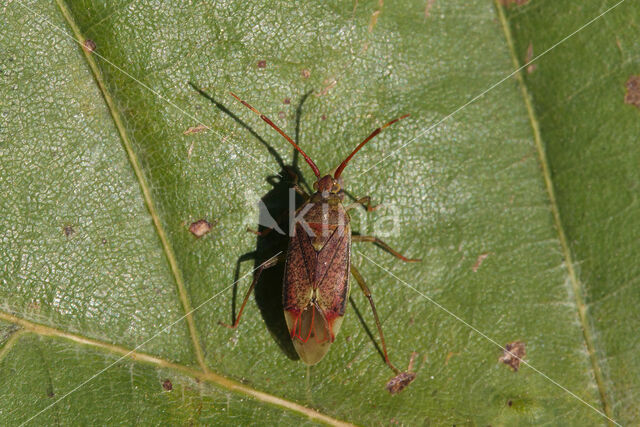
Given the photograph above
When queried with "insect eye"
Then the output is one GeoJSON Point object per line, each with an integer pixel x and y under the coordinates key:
{"type": "Point", "coordinates": [335, 188]}
{"type": "Point", "coordinates": [315, 185]}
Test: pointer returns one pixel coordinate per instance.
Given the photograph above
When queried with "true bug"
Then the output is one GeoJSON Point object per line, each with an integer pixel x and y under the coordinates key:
{"type": "Point", "coordinates": [316, 279]}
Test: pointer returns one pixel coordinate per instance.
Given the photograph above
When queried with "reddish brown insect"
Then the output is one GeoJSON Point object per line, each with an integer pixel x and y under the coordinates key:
{"type": "Point", "coordinates": [316, 280]}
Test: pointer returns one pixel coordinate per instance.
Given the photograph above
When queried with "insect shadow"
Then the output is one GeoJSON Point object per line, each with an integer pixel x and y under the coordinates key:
{"type": "Point", "coordinates": [268, 290]}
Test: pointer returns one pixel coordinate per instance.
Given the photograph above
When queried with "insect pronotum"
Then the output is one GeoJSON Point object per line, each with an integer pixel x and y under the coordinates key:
{"type": "Point", "coordinates": [318, 263]}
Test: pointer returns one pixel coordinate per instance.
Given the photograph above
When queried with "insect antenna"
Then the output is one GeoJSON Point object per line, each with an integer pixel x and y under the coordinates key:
{"type": "Point", "coordinates": [315, 169]}
{"type": "Point", "coordinates": [340, 168]}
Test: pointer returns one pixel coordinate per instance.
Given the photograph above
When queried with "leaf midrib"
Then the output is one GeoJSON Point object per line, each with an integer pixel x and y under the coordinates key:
{"type": "Point", "coordinates": [146, 192]}
{"type": "Point", "coordinates": [576, 285]}
{"type": "Point", "coordinates": [204, 374]}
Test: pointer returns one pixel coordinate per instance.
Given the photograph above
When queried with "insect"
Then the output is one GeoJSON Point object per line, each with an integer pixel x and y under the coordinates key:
{"type": "Point", "coordinates": [318, 263]}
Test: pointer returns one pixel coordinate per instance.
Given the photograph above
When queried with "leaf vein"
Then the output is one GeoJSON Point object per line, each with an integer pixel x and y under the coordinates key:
{"type": "Point", "coordinates": [146, 192]}
{"type": "Point", "coordinates": [211, 377]}
{"type": "Point", "coordinates": [576, 284]}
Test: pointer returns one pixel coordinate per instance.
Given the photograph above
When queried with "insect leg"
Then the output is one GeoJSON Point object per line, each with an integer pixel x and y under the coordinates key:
{"type": "Point", "coordinates": [301, 192]}
{"type": "Point", "coordinates": [356, 275]}
{"type": "Point", "coordinates": [365, 202]}
{"type": "Point", "coordinates": [294, 180]}
{"type": "Point", "coordinates": [383, 245]}
{"type": "Point", "coordinates": [256, 276]}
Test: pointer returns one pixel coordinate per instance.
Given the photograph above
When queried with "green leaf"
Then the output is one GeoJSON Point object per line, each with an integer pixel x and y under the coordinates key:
{"type": "Point", "coordinates": [589, 131]}
{"type": "Point", "coordinates": [521, 198]}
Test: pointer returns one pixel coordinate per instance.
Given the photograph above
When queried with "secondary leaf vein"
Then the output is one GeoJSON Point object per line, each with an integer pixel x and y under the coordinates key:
{"type": "Point", "coordinates": [576, 285]}
{"type": "Point", "coordinates": [208, 376]}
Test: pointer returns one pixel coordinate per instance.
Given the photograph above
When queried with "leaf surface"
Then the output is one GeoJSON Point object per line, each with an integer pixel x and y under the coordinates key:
{"type": "Point", "coordinates": [522, 203]}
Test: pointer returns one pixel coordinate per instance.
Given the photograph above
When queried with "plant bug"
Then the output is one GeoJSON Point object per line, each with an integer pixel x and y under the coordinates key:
{"type": "Point", "coordinates": [318, 263]}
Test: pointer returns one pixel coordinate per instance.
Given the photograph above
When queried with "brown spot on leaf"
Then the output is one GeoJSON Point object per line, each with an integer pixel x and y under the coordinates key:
{"type": "Point", "coordinates": [195, 129]}
{"type": "Point", "coordinates": [89, 45]}
{"type": "Point", "coordinates": [200, 227]}
{"type": "Point", "coordinates": [403, 379]}
{"type": "Point", "coordinates": [427, 8]}
{"type": "Point", "coordinates": [374, 20]}
{"type": "Point", "coordinates": [262, 64]}
{"type": "Point", "coordinates": [167, 385]}
{"type": "Point", "coordinates": [424, 360]}
{"type": "Point", "coordinates": [411, 360]}
{"type": "Point", "coordinates": [68, 230]}
{"type": "Point", "coordinates": [287, 101]}
{"type": "Point", "coordinates": [305, 73]}
{"type": "Point", "coordinates": [513, 354]}
{"type": "Point", "coordinates": [34, 306]}
{"type": "Point", "coordinates": [479, 261]}
{"type": "Point", "coordinates": [328, 84]}
{"type": "Point", "coordinates": [632, 96]}
{"type": "Point", "coordinates": [400, 382]}
{"type": "Point", "coordinates": [509, 402]}
{"type": "Point", "coordinates": [449, 356]}
{"type": "Point", "coordinates": [528, 57]}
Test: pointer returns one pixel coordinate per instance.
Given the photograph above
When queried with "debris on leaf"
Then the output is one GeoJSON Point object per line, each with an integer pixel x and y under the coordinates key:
{"type": "Point", "coordinates": [400, 381]}
{"type": "Point", "coordinates": [632, 96]}
{"type": "Point", "coordinates": [531, 67]}
{"type": "Point", "coordinates": [403, 379]}
{"type": "Point", "coordinates": [34, 306]}
{"type": "Point", "coordinates": [89, 45]}
{"type": "Point", "coordinates": [427, 8]}
{"type": "Point", "coordinates": [262, 64]}
{"type": "Point", "coordinates": [305, 73]}
{"type": "Point", "coordinates": [195, 129]}
{"type": "Point", "coordinates": [374, 20]}
{"type": "Point", "coordinates": [200, 227]}
{"type": "Point", "coordinates": [328, 84]}
{"type": "Point", "coordinates": [167, 385]}
{"type": "Point", "coordinates": [478, 263]}
{"type": "Point", "coordinates": [513, 354]}
{"type": "Point", "coordinates": [449, 356]}
{"type": "Point", "coordinates": [68, 230]}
